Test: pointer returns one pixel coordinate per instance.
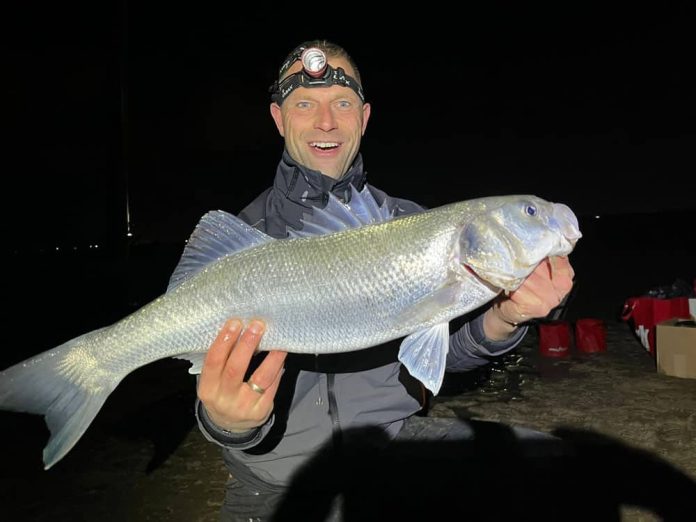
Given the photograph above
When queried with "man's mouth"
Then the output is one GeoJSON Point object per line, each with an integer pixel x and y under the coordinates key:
{"type": "Point", "coordinates": [324, 145]}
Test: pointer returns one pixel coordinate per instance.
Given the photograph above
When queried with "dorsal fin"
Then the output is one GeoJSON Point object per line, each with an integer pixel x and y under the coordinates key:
{"type": "Point", "coordinates": [216, 235]}
{"type": "Point", "coordinates": [338, 216]}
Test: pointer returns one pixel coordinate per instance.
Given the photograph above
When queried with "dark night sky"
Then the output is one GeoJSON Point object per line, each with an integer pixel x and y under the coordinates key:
{"type": "Point", "coordinates": [571, 103]}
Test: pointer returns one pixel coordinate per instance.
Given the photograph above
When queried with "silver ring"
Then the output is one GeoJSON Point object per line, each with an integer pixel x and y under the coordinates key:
{"type": "Point", "coordinates": [258, 389]}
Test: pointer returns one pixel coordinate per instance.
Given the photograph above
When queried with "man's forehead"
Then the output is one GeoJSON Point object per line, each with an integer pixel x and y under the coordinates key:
{"type": "Point", "coordinates": [322, 93]}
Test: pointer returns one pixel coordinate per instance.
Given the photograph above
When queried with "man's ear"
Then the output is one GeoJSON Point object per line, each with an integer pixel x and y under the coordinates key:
{"type": "Point", "coordinates": [367, 109]}
{"type": "Point", "coordinates": [277, 118]}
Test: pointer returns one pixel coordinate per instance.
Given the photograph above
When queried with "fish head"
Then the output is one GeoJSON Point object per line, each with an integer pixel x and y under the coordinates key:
{"type": "Point", "coordinates": [504, 242]}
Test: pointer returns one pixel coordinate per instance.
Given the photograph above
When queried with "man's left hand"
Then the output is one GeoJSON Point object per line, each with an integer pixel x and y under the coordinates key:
{"type": "Point", "coordinates": [541, 292]}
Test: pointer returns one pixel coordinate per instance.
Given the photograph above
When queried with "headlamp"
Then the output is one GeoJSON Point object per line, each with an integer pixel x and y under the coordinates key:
{"type": "Point", "coordinates": [316, 72]}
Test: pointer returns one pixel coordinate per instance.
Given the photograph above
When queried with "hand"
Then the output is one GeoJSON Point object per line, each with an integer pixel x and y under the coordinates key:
{"type": "Point", "coordinates": [231, 403]}
{"type": "Point", "coordinates": [541, 292]}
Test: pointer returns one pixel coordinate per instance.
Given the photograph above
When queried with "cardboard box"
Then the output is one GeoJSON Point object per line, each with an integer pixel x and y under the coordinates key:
{"type": "Point", "coordinates": [676, 348]}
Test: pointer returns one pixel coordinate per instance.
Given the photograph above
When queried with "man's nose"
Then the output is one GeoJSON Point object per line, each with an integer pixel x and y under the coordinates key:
{"type": "Point", "coordinates": [325, 119]}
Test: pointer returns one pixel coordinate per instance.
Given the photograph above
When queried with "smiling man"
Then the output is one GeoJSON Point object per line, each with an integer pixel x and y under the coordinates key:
{"type": "Point", "coordinates": [322, 127]}
{"type": "Point", "coordinates": [271, 413]}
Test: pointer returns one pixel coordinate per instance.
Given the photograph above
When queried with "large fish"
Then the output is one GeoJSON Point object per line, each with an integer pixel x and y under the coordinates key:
{"type": "Point", "coordinates": [353, 277]}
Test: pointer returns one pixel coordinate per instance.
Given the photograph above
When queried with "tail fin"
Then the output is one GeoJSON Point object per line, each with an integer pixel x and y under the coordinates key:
{"type": "Point", "coordinates": [41, 385]}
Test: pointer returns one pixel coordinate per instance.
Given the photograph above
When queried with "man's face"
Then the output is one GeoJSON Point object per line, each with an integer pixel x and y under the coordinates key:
{"type": "Point", "coordinates": [322, 126]}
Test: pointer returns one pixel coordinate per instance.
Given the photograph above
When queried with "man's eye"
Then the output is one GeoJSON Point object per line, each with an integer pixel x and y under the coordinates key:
{"type": "Point", "coordinates": [303, 105]}
{"type": "Point", "coordinates": [345, 104]}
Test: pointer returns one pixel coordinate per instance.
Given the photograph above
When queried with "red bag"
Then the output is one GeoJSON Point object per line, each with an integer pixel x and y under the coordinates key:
{"type": "Point", "coordinates": [646, 312]}
{"type": "Point", "coordinates": [554, 338]}
{"type": "Point", "coordinates": [590, 336]}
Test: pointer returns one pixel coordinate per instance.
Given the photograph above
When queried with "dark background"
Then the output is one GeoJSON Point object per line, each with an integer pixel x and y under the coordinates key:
{"type": "Point", "coordinates": [165, 106]}
{"type": "Point", "coordinates": [573, 102]}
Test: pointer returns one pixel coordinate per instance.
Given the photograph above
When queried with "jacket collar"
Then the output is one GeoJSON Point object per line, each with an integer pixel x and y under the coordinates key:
{"type": "Point", "coordinates": [309, 188]}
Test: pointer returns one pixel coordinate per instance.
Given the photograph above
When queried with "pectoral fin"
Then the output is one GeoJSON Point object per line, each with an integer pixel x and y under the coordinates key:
{"type": "Point", "coordinates": [424, 353]}
{"type": "Point", "coordinates": [429, 306]}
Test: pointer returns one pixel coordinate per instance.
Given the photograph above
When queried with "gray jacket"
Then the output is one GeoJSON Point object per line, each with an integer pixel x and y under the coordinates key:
{"type": "Point", "coordinates": [320, 396]}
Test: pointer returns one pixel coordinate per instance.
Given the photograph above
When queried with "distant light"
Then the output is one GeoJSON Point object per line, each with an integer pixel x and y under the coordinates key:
{"type": "Point", "coordinates": [129, 234]}
{"type": "Point", "coordinates": [597, 217]}
{"type": "Point", "coordinates": [74, 248]}
{"type": "Point", "coordinates": [96, 246]}
{"type": "Point", "coordinates": [57, 248]}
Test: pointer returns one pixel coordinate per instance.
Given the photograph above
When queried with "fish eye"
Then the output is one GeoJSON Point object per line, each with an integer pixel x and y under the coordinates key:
{"type": "Point", "coordinates": [530, 210]}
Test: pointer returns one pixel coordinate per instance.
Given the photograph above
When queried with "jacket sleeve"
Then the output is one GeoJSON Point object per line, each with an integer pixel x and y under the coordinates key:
{"type": "Point", "coordinates": [227, 439]}
{"type": "Point", "coordinates": [469, 348]}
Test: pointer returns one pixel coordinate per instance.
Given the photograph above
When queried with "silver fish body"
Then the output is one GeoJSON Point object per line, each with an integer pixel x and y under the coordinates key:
{"type": "Point", "coordinates": [373, 281]}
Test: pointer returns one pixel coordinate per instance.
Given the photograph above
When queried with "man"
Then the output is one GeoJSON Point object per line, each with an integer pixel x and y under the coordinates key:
{"type": "Point", "coordinates": [272, 416]}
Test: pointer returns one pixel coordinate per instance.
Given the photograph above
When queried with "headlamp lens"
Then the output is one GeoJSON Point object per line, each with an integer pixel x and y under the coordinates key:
{"type": "Point", "coordinates": [314, 62]}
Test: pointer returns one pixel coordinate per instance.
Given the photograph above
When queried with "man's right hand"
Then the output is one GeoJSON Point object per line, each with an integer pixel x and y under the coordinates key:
{"type": "Point", "coordinates": [231, 403]}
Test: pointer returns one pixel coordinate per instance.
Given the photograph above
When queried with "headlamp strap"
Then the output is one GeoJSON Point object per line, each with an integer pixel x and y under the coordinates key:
{"type": "Point", "coordinates": [330, 76]}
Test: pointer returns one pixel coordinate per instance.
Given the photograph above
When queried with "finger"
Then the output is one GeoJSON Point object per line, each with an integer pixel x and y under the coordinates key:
{"type": "Point", "coordinates": [537, 295]}
{"type": "Point", "coordinates": [219, 351]}
{"type": "Point", "coordinates": [536, 284]}
{"type": "Point", "coordinates": [561, 267]}
{"type": "Point", "coordinates": [563, 275]}
{"type": "Point", "coordinates": [239, 359]}
{"type": "Point", "coordinates": [267, 372]}
{"type": "Point", "coordinates": [273, 388]}
{"type": "Point", "coordinates": [543, 271]}
{"type": "Point", "coordinates": [261, 405]}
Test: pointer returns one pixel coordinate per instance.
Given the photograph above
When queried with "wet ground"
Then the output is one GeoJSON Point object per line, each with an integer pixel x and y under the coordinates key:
{"type": "Point", "coordinates": [615, 398]}
{"type": "Point", "coordinates": [143, 459]}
